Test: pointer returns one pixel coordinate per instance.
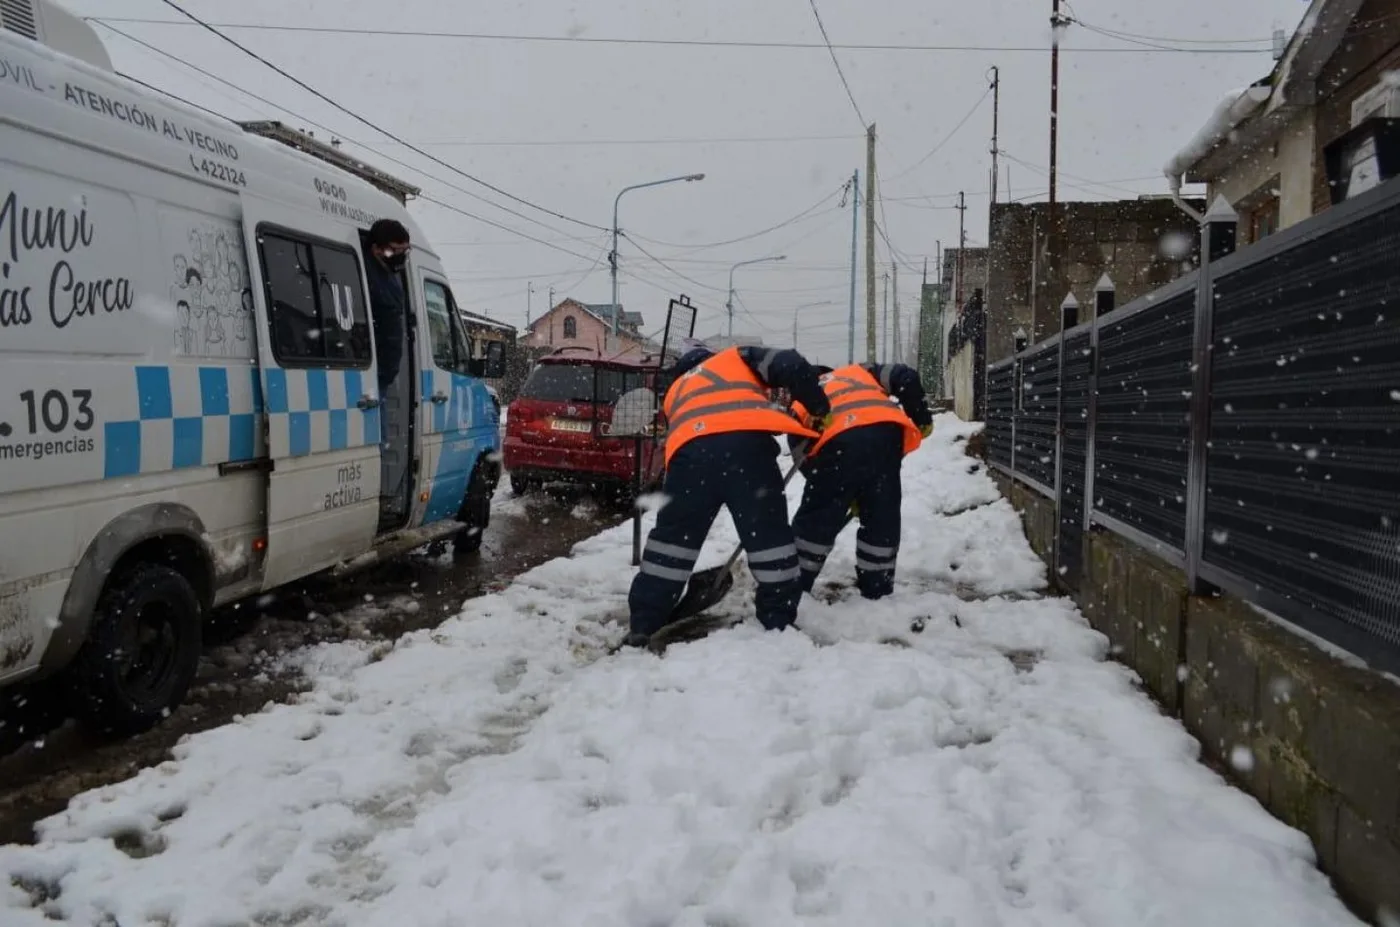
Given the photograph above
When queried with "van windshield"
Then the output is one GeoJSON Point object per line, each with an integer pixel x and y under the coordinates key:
{"type": "Point", "coordinates": [573, 383]}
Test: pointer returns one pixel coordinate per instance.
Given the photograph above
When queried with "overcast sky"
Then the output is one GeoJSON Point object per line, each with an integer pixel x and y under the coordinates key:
{"type": "Point", "coordinates": [772, 128]}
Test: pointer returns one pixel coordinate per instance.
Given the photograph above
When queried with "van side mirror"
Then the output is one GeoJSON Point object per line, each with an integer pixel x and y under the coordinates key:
{"type": "Point", "coordinates": [495, 361]}
{"type": "Point", "coordinates": [476, 366]}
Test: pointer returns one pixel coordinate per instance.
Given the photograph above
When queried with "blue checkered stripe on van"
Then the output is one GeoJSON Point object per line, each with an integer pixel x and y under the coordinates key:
{"type": "Point", "coordinates": [314, 411]}
{"type": "Point", "coordinates": [468, 404]}
{"type": "Point", "coordinates": [176, 417]}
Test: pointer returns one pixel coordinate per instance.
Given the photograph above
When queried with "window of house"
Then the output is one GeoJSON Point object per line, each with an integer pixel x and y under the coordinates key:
{"type": "Point", "coordinates": [570, 327]}
{"type": "Point", "coordinates": [1263, 220]}
{"type": "Point", "coordinates": [446, 336]}
{"type": "Point", "coordinates": [318, 310]}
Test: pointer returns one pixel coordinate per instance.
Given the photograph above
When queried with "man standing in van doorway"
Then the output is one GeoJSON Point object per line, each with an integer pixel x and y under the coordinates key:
{"type": "Point", "coordinates": [388, 252]}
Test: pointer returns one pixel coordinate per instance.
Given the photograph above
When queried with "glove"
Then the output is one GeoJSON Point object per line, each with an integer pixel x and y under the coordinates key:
{"type": "Point", "coordinates": [853, 511]}
{"type": "Point", "coordinates": [926, 430]}
{"type": "Point", "coordinates": [823, 423]}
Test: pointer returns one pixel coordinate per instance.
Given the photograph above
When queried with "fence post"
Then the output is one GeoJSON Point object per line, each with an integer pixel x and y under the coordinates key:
{"type": "Point", "coordinates": [1092, 433]}
{"type": "Point", "coordinates": [1218, 232]}
{"type": "Point", "coordinates": [1105, 295]}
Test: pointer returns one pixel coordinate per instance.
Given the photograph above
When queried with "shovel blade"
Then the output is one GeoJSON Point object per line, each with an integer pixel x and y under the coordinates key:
{"type": "Point", "coordinates": [705, 589]}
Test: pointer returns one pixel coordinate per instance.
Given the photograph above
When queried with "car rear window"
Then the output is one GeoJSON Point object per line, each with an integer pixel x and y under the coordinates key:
{"type": "Point", "coordinates": [574, 383]}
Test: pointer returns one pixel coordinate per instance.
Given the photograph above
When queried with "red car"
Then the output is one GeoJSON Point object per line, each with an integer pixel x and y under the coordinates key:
{"type": "Point", "coordinates": [559, 429]}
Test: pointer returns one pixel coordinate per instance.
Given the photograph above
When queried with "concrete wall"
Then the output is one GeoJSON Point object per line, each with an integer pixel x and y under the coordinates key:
{"type": "Point", "coordinates": [960, 383]}
{"type": "Point", "coordinates": [1123, 239]}
{"type": "Point", "coordinates": [1315, 740]}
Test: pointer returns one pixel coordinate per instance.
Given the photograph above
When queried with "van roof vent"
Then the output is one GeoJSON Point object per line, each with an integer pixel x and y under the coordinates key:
{"type": "Point", "coordinates": [20, 16]}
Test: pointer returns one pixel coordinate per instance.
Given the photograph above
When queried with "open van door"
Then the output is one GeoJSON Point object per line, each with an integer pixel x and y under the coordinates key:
{"type": "Point", "coordinates": [320, 397]}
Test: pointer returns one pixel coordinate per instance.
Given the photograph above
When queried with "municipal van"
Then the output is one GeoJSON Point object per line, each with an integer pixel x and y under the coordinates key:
{"type": "Point", "coordinates": [189, 405]}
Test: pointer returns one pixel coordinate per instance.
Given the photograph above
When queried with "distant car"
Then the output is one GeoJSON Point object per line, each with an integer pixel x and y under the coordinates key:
{"type": "Point", "coordinates": [560, 427]}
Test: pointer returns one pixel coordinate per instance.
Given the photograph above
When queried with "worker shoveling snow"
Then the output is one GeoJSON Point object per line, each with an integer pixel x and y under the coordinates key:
{"type": "Point", "coordinates": [987, 769]}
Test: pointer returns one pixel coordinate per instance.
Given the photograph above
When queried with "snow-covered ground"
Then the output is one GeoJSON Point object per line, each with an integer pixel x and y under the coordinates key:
{"type": "Point", "coordinates": [989, 769]}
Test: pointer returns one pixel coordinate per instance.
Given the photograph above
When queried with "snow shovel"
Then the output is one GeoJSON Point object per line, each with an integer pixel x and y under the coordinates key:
{"type": "Point", "coordinates": [708, 587]}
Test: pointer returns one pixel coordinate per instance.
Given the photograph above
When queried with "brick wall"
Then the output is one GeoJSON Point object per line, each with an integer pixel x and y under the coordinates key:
{"type": "Point", "coordinates": [1122, 239]}
{"type": "Point", "coordinates": [1371, 47]}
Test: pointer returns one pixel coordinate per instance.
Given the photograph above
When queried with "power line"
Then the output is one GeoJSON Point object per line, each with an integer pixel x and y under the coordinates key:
{"type": "Point", "coordinates": [668, 267]}
{"type": "Point", "coordinates": [196, 68]}
{"type": "Point", "coordinates": [385, 132]}
{"type": "Point", "coordinates": [447, 206]}
{"type": "Point", "coordinates": [834, 60]}
{"type": "Point", "coordinates": [694, 43]}
{"type": "Point", "coordinates": [691, 248]}
{"type": "Point", "coordinates": [585, 142]}
{"type": "Point", "coordinates": [946, 139]}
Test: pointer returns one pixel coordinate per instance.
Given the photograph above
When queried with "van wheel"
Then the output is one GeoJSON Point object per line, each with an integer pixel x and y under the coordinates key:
{"type": "Point", "coordinates": [476, 512]}
{"type": "Point", "coordinates": [141, 653]}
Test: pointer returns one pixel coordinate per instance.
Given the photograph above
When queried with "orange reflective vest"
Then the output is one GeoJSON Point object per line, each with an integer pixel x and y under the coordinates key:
{"type": "Point", "coordinates": [722, 394]}
{"type": "Point", "coordinates": [857, 400]}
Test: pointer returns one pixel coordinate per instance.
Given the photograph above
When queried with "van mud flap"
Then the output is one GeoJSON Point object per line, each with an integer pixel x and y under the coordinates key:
{"type": "Point", "coordinates": [397, 544]}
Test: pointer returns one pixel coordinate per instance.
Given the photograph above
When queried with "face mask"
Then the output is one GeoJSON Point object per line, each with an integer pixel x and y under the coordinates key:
{"type": "Point", "coordinates": [396, 262]}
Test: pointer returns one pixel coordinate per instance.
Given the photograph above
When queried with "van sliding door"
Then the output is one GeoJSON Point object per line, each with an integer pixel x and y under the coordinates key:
{"type": "Point", "coordinates": [320, 395]}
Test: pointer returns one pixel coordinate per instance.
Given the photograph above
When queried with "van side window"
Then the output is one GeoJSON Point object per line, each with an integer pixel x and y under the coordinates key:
{"type": "Point", "coordinates": [315, 301]}
{"type": "Point", "coordinates": [451, 349]}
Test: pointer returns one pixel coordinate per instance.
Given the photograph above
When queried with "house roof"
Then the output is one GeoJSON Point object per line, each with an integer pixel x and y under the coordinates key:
{"type": "Point", "coordinates": [603, 312]}
{"type": "Point", "coordinates": [1292, 87]}
{"type": "Point", "coordinates": [478, 319]}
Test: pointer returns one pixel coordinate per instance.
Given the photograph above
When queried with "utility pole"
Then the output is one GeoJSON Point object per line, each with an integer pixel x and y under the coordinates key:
{"type": "Point", "coordinates": [894, 337]}
{"type": "Point", "coordinates": [855, 216]}
{"type": "Point", "coordinates": [962, 249]}
{"type": "Point", "coordinates": [885, 320]}
{"type": "Point", "coordinates": [870, 244]}
{"type": "Point", "coordinates": [996, 113]}
{"type": "Point", "coordinates": [920, 330]}
{"type": "Point", "coordinates": [529, 291]}
{"type": "Point", "coordinates": [1056, 23]}
{"type": "Point", "coordinates": [996, 109]}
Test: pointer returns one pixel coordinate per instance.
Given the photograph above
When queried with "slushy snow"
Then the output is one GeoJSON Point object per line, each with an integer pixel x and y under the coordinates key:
{"type": "Point", "coordinates": [988, 769]}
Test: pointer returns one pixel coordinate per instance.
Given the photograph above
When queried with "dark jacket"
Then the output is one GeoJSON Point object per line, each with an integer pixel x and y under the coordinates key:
{"type": "Point", "coordinates": [900, 381]}
{"type": "Point", "coordinates": [775, 368]}
{"type": "Point", "coordinates": [388, 306]}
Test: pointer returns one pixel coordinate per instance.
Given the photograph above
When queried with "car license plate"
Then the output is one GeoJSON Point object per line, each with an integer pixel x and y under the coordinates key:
{"type": "Point", "coordinates": [569, 424]}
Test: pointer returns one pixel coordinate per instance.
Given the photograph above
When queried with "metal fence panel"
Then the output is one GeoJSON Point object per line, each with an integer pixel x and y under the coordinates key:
{"type": "Point", "coordinates": [1001, 402]}
{"type": "Point", "coordinates": [1304, 455]}
{"type": "Point", "coordinates": [1142, 436]}
{"type": "Point", "coordinates": [1075, 380]}
{"type": "Point", "coordinates": [1038, 413]}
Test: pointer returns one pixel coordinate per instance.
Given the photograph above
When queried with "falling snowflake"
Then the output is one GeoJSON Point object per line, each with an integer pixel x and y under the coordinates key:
{"type": "Point", "coordinates": [1242, 759]}
{"type": "Point", "coordinates": [1310, 453]}
{"type": "Point", "coordinates": [1220, 536]}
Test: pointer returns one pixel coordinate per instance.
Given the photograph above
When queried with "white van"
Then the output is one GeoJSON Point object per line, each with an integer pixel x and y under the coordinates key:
{"type": "Point", "coordinates": [189, 408]}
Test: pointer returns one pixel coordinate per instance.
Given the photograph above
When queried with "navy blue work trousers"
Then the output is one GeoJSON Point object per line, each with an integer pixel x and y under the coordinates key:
{"type": "Point", "coordinates": [860, 466]}
{"type": "Point", "coordinates": [738, 470]}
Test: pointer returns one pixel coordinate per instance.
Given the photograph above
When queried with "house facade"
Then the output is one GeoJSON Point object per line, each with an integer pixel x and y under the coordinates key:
{"type": "Point", "coordinates": [1267, 160]}
{"type": "Point", "coordinates": [571, 323]}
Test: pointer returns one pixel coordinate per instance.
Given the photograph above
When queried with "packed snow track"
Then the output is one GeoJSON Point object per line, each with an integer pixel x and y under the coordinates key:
{"type": "Point", "coordinates": [991, 768]}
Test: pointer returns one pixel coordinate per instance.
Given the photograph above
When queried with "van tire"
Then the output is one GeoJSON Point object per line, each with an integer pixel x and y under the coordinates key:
{"type": "Point", "coordinates": [103, 693]}
{"type": "Point", "coordinates": [476, 511]}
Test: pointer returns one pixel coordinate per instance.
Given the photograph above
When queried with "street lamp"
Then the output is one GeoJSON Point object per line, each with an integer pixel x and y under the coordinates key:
{"type": "Point", "coordinates": [797, 309]}
{"type": "Point", "coordinates": [730, 304]}
{"type": "Point", "coordinates": [616, 310]}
